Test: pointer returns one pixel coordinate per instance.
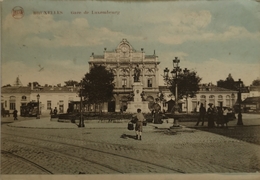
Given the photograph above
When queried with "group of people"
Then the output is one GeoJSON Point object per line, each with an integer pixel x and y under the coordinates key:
{"type": "Point", "coordinates": [214, 114]}
{"type": "Point", "coordinates": [54, 112]}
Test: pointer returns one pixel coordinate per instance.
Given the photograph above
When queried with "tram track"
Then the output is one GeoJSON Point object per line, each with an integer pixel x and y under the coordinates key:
{"type": "Point", "coordinates": [6, 153]}
{"type": "Point", "coordinates": [107, 158]}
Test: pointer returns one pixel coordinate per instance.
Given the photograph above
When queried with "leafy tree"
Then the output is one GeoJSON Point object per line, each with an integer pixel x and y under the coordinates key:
{"type": "Point", "coordinates": [256, 82]}
{"type": "Point", "coordinates": [98, 85]}
{"type": "Point", "coordinates": [187, 84]}
{"type": "Point", "coordinates": [71, 83]}
{"type": "Point", "coordinates": [35, 84]}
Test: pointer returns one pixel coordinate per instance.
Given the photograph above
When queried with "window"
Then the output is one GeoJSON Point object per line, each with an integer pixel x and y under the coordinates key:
{"type": "Point", "coordinates": [61, 106]}
{"type": "Point", "coordinates": [149, 83]}
{"type": "Point", "coordinates": [12, 102]}
{"type": "Point", "coordinates": [202, 97]}
{"type": "Point", "coordinates": [12, 105]}
{"type": "Point", "coordinates": [228, 102]}
{"type": "Point", "coordinates": [220, 97]}
{"type": "Point", "coordinates": [212, 99]}
{"type": "Point", "coordinates": [24, 98]}
{"type": "Point", "coordinates": [48, 105]}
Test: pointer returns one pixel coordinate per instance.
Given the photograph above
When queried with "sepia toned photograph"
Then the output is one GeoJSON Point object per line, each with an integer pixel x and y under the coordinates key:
{"type": "Point", "coordinates": [144, 89]}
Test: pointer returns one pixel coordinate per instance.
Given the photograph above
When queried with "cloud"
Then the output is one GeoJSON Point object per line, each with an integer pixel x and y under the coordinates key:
{"type": "Point", "coordinates": [182, 26]}
{"type": "Point", "coordinates": [44, 31]}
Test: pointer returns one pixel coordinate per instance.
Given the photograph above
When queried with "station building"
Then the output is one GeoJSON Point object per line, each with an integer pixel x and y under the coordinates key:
{"type": "Point", "coordinates": [122, 61]}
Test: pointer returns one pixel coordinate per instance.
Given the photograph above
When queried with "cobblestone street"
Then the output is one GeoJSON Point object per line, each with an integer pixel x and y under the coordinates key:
{"type": "Point", "coordinates": [109, 148]}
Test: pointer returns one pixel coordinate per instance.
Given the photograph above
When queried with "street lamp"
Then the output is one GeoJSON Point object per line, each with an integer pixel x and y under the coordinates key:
{"type": "Point", "coordinates": [38, 108]}
{"type": "Point", "coordinates": [175, 72]}
{"type": "Point", "coordinates": [81, 119]}
{"type": "Point", "coordinates": [239, 119]}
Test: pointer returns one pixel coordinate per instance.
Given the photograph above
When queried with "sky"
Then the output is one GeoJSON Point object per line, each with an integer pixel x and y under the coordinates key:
{"type": "Point", "coordinates": [213, 38]}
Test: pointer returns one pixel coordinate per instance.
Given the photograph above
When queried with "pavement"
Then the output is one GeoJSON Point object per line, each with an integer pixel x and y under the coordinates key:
{"type": "Point", "coordinates": [202, 151]}
{"type": "Point", "coordinates": [46, 123]}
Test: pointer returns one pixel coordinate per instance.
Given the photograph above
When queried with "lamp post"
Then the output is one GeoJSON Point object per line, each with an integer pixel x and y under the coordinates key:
{"type": "Point", "coordinates": [239, 116]}
{"type": "Point", "coordinates": [175, 72]}
{"type": "Point", "coordinates": [81, 120]}
{"type": "Point", "coordinates": [38, 108]}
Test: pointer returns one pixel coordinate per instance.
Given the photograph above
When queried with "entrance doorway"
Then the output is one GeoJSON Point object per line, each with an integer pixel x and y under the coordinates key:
{"type": "Point", "coordinates": [111, 106]}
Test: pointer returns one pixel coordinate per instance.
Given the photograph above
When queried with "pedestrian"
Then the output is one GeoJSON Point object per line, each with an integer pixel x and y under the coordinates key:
{"type": "Point", "coordinates": [15, 114]}
{"type": "Point", "coordinates": [55, 111]}
{"type": "Point", "coordinates": [219, 116]}
{"type": "Point", "coordinates": [139, 124]}
{"type": "Point", "coordinates": [225, 116]}
{"type": "Point", "coordinates": [50, 111]}
{"type": "Point", "coordinates": [210, 113]}
{"type": "Point", "coordinates": [202, 112]}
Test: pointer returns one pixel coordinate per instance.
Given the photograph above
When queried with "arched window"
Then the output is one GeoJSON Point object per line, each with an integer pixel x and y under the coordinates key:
{"type": "Point", "coordinates": [24, 98]}
{"type": "Point", "coordinates": [202, 97]}
{"type": "Point", "coordinates": [12, 102]}
{"type": "Point", "coordinates": [228, 101]}
{"type": "Point", "coordinates": [212, 99]}
{"type": "Point", "coordinates": [220, 97]}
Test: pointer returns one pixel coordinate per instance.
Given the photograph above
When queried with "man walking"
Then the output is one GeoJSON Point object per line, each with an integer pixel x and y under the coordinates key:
{"type": "Point", "coordinates": [139, 124]}
{"type": "Point", "coordinates": [15, 114]}
{"type": "Point", "coordinates": [202, 112]}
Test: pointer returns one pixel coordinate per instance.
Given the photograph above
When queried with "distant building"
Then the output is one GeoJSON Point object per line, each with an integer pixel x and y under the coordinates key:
{"type": "Point", "coordinates": [50, 97]}
{"type": "Point", "coordinates": [210, 93]}
{"type": "Point", "coordinates": [251, 104]}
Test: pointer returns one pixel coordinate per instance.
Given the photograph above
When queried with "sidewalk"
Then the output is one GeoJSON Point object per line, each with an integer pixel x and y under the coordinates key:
{"type": "Point", "coordinates": [46, 123]}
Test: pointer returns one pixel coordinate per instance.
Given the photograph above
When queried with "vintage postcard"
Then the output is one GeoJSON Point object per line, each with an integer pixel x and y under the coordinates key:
{"type": "Point", "coordinates": [147, 89]}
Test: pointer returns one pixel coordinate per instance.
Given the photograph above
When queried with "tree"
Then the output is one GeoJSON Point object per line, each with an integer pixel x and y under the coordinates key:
{"type": "Point", "coordinates": [97, 85]}
{"type": "Point", "coordinates": [71, 83]}
{"type": "Point", "coordinates": [35, 84]}
{"type": "Point", "coordinates": [256, 82]}
{"type": "Point", "coordinates": [187, 84]}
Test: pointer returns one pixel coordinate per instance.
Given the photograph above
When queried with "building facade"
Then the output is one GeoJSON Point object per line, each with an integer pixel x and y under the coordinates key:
{"type": "Point", "coordinates": [210, 93]}
{"type": "Point", "coordinates": [50, 97]}
{"type": "Point", "coordinates": [122, 61]}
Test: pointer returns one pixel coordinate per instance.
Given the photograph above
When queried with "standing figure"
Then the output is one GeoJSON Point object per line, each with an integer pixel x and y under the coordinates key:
{"type": "Point", "coordinates": [157, 116]}
{"type": "Point", "coordinates": [15, 114]}
{"type": "Point", "coordinates": [139, 124]}
{"type": "Point", "coordinates": [219, 116]}
{"type": "Point", "coordinates": [137, 73]}
{"type": "Point", "coordinates": [202, 112]}
{"type": "Point", "coordinates": [210, 113]}
{"type": "Point", "coordinates": [55, 111]}
{"type": "Point", "coordinates": [225, 116]}
{"type": "Point", "coordinates": [50, 111]}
